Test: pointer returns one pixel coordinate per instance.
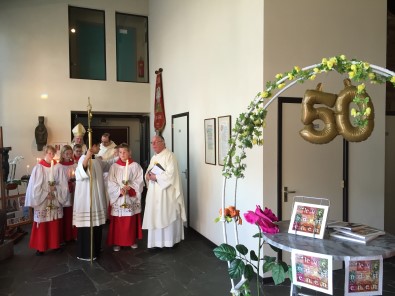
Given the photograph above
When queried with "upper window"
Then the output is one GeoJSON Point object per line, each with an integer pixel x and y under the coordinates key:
{"type": "Point", "coordinates": [87, 43]}
{"type": "Point", "coordinates": [132, 47]}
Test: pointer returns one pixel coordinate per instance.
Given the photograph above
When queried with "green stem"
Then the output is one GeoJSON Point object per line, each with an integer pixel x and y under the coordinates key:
{"type": "Point", "coordinates": [259, 260]}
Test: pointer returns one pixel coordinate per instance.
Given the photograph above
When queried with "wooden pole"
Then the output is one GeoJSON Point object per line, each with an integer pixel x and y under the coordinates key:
{"type": "Point", "coordinates": [2, 192]}
{"type": "Point", "coordinates": [2, 184]}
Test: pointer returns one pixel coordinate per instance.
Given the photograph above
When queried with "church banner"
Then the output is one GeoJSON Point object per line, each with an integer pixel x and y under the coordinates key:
{"type": "Point", "coordinates": [159, 107]}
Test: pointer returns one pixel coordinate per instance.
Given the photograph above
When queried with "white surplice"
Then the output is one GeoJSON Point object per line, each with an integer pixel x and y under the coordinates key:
{"type": "Point", "coordinates": [38, 189]}
{"type": "Point", "coordinates": [135, 180]}
{"type": "Point", "coordinates": [81, 209]}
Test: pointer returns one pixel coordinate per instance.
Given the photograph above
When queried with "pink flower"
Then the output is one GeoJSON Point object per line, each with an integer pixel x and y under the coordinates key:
{"type": "Point", "coordinates": [264, 219]}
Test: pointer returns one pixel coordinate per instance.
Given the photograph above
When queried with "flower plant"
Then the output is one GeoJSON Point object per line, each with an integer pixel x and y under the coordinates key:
{"type": "Point", "coordinates": [243, 266]}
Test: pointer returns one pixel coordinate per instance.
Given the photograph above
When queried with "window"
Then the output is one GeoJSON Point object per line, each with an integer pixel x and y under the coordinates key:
{"type": "Point", "coordinates": [87, 49]}
{"type": "Point", "coordinates": [132, 47]}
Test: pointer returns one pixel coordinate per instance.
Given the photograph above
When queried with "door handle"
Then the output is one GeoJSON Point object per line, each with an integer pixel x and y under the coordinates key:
{"type": "Point", "coordinates": [286, 191]}
{"type": "Point", "coordinates": [186, 173]}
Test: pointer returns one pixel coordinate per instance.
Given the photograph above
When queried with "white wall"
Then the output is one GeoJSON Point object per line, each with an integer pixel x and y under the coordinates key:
{"type": "Point", "coordinates": [301, 33]}
{"type": "Point", "coordinates": [211, 55]}
{"type": "Point", "coordinates": [34, 59]}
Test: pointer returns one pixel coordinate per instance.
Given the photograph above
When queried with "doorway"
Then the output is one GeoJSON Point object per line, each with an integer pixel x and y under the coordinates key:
{"type": "Point", "coordinates": [180, 147]}
{"type": "Point", "coordinates": [129, 128]}
{"type": "Point", "coordinates": [306, 169]}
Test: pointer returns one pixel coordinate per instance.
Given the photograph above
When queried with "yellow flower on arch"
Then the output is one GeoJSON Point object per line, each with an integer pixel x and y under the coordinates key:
{"type": "Point", "coordinates": [361, 87]}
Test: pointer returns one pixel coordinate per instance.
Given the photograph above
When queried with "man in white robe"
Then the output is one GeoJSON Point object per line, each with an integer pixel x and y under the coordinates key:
{"type": "Point", "coordinates": [81, 209]}
{"type": "Point", "coordinates": [164, 213]}
{"type": "Point", "coordinates": [107, 147]}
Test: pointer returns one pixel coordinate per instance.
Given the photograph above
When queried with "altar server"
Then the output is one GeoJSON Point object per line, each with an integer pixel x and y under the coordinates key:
{"type": "Point", "coordinates": [125, 185]}
{"type": "Point", "coordinates": [47, 193]}
{"type": "Point", "coordinates": [66, 162]}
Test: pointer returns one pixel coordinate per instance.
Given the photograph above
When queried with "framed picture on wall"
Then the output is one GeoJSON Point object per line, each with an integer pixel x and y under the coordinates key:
{"type": "Point", "coordinates": [224, 133]}
{"type": "Point", "coordinates": [209, 140]}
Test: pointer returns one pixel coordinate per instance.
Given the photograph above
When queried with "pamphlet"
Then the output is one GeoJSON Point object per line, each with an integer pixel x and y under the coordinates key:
{"type": "Point", "coordinates": [157, 169]}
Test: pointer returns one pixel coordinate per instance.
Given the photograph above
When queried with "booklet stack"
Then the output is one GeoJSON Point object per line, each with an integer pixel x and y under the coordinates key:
{"type": "Point", "coordinates": [354, 232]}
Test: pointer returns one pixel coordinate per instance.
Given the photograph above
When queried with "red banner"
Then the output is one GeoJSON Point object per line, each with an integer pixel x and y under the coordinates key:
{"type": "Point", "coordinates": [159, 107]}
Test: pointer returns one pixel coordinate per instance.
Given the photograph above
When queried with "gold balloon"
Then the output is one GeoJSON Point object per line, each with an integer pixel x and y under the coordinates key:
{"type": "Point", "coordinates": [309, 114]}
{"type": "Point", "coordinates": [342, 109]}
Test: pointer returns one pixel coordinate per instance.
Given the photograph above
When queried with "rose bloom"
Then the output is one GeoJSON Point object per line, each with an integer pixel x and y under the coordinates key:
{"type": "Point", "coordinates": [264, 219]}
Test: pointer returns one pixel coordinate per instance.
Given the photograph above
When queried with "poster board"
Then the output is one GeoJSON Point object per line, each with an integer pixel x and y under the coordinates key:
{"type": "Point", "coordinates": [17, 213]}
{"type": "Point", "coordinates": [308, 219]}
{"type": "Point", "coordinates": [312, 270]}
{"type": "Point", "coordinates": [363, 276]}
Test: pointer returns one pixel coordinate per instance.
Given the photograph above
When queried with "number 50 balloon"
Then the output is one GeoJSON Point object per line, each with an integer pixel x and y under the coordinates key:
{"type": "Point", "coordinates": [346, 129]}
{"type": "Point", "coordinates": [337, 121]}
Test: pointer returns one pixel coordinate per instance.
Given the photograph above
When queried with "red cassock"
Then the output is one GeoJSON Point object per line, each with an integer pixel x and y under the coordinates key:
{"type": "Point", "coordinates": [46, 235]}
{"type": "Point", "coordinates": [124, 231]}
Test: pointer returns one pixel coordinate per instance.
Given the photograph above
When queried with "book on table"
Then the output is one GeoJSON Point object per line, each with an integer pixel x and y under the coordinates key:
{"type": "Point", "coordinates": [345, 225]}
{"type": "Point", "coordinates": [363, 233]}
{"type": "Point", "coordinates": [344, 236]}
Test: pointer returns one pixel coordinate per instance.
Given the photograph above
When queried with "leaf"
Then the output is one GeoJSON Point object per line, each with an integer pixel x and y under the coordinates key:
{"type": "Point", "coordinates": [267, 266]}
{"type": "Point", "coordinates": [269, 258]}
{"type": "Point", "coordinates": [290, 272]}
{"type": "Point", "coordinates": [253, 256]}
{"type": "Point", "coordinates": [236, 269]}
{"type": "Point", "coordinates": [225, 252]}
{"type": "Point", "coordinates": [242, 249]}
{"type": "Point", "coordinates": [257, 234]}
{"type": "Point", "coordinates": [284, 265]}
{"type": "Point", "coordinates": [217, 219]}
{"type": "Point", "coordinates": [278, 274]}
{"type": "Point", "coordinates": [249, 272]}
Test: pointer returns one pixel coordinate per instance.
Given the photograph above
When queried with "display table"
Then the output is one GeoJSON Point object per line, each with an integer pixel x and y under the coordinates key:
{"type": "Point", "coordinates": [383, 245]}
{"type": "Point", "coordinates": [340, 249]}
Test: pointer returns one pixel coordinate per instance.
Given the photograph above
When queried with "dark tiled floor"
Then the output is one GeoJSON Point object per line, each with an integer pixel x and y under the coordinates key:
{"type": "Point", "coordinates": [187, 270]}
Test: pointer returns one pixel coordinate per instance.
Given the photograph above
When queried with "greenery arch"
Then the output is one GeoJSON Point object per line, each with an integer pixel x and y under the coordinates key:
{"type": "Point", "coordinates": [248, 131]}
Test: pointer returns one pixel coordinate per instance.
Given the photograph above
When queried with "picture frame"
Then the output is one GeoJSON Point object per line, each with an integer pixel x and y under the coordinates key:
{"type": "Point", "coordinates": [308, 219]}
{"type": "Point", "coordinates": [17, 213]}
{"type": "Point", "coordinates": [363, 276]}
{"type": "Point", "coordinates": [224, 134]}
{"type": "Point", "coordinates": [209, 141]}
{"type": "Point", "coordinates": [312, 270]}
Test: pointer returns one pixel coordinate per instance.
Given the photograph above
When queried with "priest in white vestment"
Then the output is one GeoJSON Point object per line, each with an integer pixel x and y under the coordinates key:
{"type": "Point", "coordinates": [81, 209]}
{"type": "Point", "coordinates": [164, 212]}
{"type": "Point", "coordinates": [107, 147]}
